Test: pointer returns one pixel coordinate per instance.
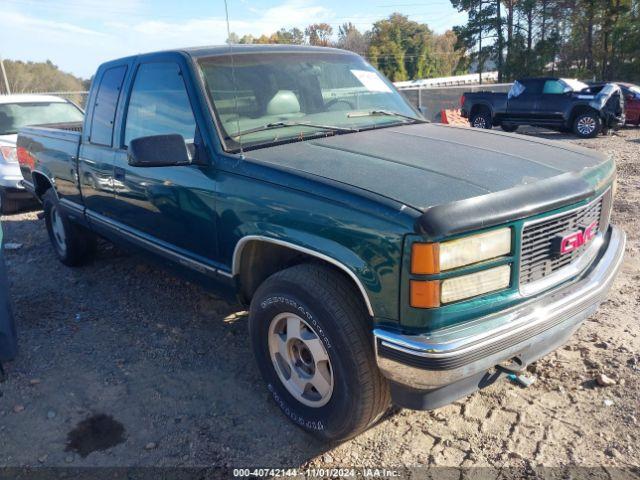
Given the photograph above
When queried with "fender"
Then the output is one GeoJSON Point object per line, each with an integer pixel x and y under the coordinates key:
{"type": "Point", "coordinates": [484, 103]}
{"type": "Point", "coordinates": [321, 248]}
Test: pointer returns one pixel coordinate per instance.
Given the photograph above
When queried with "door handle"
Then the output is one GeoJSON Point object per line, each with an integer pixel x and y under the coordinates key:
{"type": "Point", "coordinates": [119, 173]}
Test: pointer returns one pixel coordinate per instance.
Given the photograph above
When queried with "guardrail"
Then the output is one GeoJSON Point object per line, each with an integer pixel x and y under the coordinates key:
{"type": "Point", "coordinates": [458, 80]}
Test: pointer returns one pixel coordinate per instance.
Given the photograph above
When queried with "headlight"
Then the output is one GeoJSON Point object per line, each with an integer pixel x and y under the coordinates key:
{"type": "Point", "coordinates": [472, 285]}
{"type": "Point", "coordinates": [433, 293]}
{"type": "Point", "coordinates": [430, 258]}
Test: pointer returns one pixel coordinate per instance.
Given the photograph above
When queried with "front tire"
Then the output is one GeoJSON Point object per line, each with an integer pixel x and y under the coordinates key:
{"type": "Point", "coordinates": [72, 244]}
{"type": "Point", "coordinates": [313, 346]}
{"type": "Point", "coordinates": [481, 119]}
{"type": "Point", "coordinates": [587, 125]}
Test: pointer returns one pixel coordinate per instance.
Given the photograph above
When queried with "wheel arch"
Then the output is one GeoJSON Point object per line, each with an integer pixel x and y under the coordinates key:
{"type": "Point", "coordinates": [41, 183]}
{"type": "Point", "coordinates": [276, 254]}
{"type": "Point", "coordinates": [578, 110]}
{"type": "Point", "coordinates": [480, 106]}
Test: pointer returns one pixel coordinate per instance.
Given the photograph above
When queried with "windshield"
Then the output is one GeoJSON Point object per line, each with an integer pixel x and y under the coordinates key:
{"type": "Point", "coordinates": [575, 85]}
{"type": "Point", "coordinates": [284, 90]}
{"type": "Point", "coordinates": [14, 116]}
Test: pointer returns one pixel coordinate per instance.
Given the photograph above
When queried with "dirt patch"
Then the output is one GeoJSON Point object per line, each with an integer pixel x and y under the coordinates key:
{"type": "Point", "coordinates": [173, 364]}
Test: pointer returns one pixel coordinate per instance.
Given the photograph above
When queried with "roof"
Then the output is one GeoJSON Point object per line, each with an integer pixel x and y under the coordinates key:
{"type": "Point", "coordinates": [208, 51]}
{"type": "Point", "coordinates": [236, 49]}
{"type": "Point", "coordinates": [30, 98]}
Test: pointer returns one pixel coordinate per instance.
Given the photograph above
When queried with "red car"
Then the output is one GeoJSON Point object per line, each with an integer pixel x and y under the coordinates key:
{"type": "Point", "coordinates": [632, 102]}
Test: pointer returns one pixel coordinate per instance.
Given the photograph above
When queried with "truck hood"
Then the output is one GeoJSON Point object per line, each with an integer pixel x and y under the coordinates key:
{"type": "Point", "coordinates": [428, 165]}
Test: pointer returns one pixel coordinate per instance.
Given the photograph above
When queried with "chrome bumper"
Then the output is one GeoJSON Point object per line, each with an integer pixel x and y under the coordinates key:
{"type": "Point", "coordinates": [519, 335]}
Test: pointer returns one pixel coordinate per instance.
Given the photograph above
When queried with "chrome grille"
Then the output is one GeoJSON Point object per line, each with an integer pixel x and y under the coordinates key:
{"type": "Point", "coordinates": [538, 259]}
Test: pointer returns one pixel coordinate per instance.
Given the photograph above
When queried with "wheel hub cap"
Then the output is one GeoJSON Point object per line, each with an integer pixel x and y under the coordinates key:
{"type": "Point", "coordinates": [57, 228]}
{"type": "Point", "coordinates": [586, 125]}
{"type": "Point", "coordinates": [479, 122]}
{"type": "Point", "coordinates": [300, 360]}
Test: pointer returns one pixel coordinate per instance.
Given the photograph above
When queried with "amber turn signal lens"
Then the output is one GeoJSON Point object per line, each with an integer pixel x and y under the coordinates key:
{"type": "Point", "coordinates": [425, 294]}
{"type": "Point", "coordinates": [425, 258]}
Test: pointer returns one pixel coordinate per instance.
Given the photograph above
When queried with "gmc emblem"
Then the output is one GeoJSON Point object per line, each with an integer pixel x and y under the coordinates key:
{"type": "Point", "coordinates": [575, 240]}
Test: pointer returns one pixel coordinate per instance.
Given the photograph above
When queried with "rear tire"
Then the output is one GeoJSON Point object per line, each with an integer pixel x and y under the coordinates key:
{"type": "Point", "coordinates": [481, 119]}
{"type": "Point", "coordinates": [587, 125]}
{"type": "Point", "coordinates": [72, 244]}
{"type": "Point", "coordinates": [307, 321]}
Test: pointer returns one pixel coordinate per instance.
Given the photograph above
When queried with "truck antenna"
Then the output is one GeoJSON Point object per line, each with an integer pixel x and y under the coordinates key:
{"type": "Point", "coordinates": [233, 76]}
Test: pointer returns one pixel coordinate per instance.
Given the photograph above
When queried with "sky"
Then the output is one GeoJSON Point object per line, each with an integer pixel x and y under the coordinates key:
{"type": "Point", "coordinates": [78, 35]}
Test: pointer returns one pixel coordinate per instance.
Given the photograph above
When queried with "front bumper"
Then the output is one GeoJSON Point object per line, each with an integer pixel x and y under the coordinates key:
{"type": "Point", "coordinates": [427, 371]}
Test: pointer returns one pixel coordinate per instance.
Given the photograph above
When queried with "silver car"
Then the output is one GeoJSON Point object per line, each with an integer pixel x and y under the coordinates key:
{"type": "Point", "coordinates": [17, 111]}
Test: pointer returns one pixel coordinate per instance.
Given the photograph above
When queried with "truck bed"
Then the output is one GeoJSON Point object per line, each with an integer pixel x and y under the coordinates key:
{"type": "Point", "coordinates": [52, 150]}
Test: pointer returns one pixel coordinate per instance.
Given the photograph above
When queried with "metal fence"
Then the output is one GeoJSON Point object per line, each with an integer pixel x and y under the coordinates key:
{"type": "Point", "coordinates": [431, 101]}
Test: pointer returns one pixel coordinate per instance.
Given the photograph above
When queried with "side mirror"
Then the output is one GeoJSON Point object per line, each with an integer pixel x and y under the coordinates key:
{"type": "Point", "coordinates": [158, 151]}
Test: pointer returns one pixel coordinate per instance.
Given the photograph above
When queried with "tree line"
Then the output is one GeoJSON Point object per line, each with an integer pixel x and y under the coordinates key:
{"type": "Point", "coordinates": [589, 39]}
{"type": "Point", "coordinates": [39, 77]}
{"type": "Point", "coordinates": [400, 48]}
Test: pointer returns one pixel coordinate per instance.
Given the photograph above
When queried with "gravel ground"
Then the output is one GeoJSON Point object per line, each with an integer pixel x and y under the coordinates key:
{"type": "Point", "coordinates": [164, 370]}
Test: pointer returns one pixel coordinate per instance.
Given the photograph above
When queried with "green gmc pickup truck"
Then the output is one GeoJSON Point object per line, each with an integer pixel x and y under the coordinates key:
{"type": "Point", "coordinates": [384, 259]}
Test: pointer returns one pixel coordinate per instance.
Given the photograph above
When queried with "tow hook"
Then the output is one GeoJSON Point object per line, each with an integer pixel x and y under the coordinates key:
{"type": "Point", "coordinates": [513, 365]}
{"type": "Point", "coordinates": [515, 369]}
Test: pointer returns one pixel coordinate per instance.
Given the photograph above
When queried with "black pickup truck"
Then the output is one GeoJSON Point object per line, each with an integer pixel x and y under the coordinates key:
{"type": "Point", "coordinates": [557, 103]}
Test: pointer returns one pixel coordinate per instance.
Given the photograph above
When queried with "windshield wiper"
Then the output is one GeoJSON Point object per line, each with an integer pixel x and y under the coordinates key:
{"type": "Point", "coordinates": [385, 113]}
{"type": "Point", "coordinates": [271, 126]}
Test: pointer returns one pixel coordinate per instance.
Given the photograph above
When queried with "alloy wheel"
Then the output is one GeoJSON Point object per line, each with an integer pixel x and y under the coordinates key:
{"type": "Point", "coordinates": [57, 229]}
{"type": "Point", "coordinates": [479, 122]}
{"type": "Point", "coordinates": [300, 360]}
{"type": "Point", "coordinates": [586, 125]}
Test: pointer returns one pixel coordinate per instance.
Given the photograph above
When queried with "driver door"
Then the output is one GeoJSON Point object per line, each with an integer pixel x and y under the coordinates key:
{"type": "Point", "coordinates": [171, 207]}
{"type": "Point", "coordinates": [554, 101]}
{"type": "Point", "coordinates": [523, 106]}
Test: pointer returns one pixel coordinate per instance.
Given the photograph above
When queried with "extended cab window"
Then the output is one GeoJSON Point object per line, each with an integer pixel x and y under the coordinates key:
{"type": "Point", "coordinates": [532, 87]}
{"type": "Point", "coordinates": [159, 104]}
{"type": "Point", "coordinates": [104, 111]}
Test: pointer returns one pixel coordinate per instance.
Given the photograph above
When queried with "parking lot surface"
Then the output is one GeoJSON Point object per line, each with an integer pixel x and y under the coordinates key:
{"type": "Point", "coordinates": [164, 371]}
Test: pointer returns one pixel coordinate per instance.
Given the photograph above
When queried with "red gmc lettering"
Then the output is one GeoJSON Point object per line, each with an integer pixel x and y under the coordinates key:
{"type": "Point", "coordinates": [575, 240]}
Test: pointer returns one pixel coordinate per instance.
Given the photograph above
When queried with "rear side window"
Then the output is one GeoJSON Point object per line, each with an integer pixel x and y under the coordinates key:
{"type": "Point", "coordinates": [104, 111]}
{"type": "Point", "coordinates": [553, 87]}
{"type": "Point", "coordinates": [159, 104]}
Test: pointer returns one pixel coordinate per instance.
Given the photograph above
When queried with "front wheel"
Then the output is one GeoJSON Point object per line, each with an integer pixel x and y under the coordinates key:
{"type": "Point", "coordinates": [312, 343]}
{"type": "Point", "coordinates": [587, 125]}
{"type": "Point", "coordinates": [481, 119]}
